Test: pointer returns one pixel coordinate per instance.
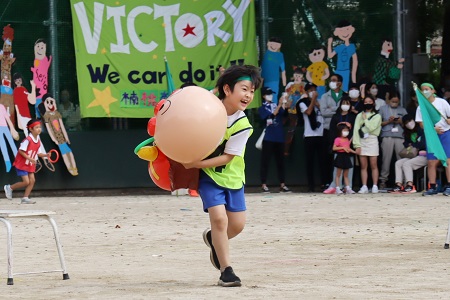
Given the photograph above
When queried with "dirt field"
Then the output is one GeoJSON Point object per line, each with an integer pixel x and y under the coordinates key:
{"type": "Point", "coordinates": [295, 246]}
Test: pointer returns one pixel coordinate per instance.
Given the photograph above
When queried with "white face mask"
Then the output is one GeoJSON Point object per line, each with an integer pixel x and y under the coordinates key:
{"type": "Point", "coordinates": [345, 133]}
{"type": "Point", "coordinates": [269, 98]}
{"type": "Point", "coordinates": [374, 92]}
{"type": "Point", "coordinates": [353, 93]}
{"type": "Point", "coordinates": [410, 125]}
{"type": "Point", "coordinates": [345, 107]}
{"type": "Point", "coordinates": [311, 94]}
{"type": "Point", "coordinates": [332, 85]}
{"type": "Point", "coordinates": [427, 93]}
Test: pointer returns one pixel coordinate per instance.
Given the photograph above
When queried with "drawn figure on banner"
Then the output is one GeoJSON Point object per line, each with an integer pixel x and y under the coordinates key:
{"type": "Point", "coordinates": [57, 131]}
{"type": "Point", "coordinates": [7, 135]}
{"type": "Point", "coordinates": [7, 59]}
{"type": "Point", "coordinates": [318, 71]}
{"type": "Point", "coordinates": [387, 72]}
{"type": "Point", "coordinates": [345, 51]}
{"type": "Point", "coordinates": [271, 66]}
{"type": "Point", "coordinates": [21, 98]}
{"type": "Point", "coordinates": [40, 68]}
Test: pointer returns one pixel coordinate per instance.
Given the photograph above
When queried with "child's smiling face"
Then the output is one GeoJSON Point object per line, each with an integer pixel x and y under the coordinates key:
{"type": "Point", "coordinates": [241, 96]}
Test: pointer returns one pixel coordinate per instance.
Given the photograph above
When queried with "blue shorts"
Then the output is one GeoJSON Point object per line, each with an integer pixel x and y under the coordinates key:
{"type": "Point", "coordinates": [445, 142]}
{"type": "Point", "coordinates": [213, 195]}
{"type": "Point", "coordinates": [64, 148]}
{"type": "Point", "coordinates": [21, 172]}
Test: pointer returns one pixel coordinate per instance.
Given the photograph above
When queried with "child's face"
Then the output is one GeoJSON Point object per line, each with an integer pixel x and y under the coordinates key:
{"type": "Point", "coordinates": [36, 130]}
{"type": "Point", "coordinates": [273, 46]}
{"type": "Point", "coordinates": [241, 96]}
{"type": "Point", "coordinates": [344, 33]}
{"type": "Point", "coordinates": [18, 82]}
{"type": "Point", "coordinates": [39, 50]}
{"type": "Point", "coordinates": [298, 77]}
{"type": "Point", "coordinates": [387, 47]}
{"type": "Point", "coordinates": [317, 55]}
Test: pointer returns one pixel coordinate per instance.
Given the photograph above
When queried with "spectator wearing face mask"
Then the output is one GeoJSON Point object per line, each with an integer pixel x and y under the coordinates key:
{"type": "Point", "coordinates": [355, 99]}
{"type": "Point", "coordinates": [309, 108]}
{"type": "Point", "coordinates": [442, 128]}
{"type": "Point", "coordinates": [329, 103]}
{"type": "Point", "coordinates": [372, 89]}
{"type": "Point", "coordinates": [342, 116]}
{"type": "Point", "coordinates": [404, 167]}
{"type": "Point", "coordinates": [391, 135]}
{"type": "Point", "coordinates": [365, 141]}
{"type": "Point", "coordinates": [272, 115]}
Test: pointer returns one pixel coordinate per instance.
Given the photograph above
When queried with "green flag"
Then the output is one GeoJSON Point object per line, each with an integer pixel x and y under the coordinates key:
{"type": "Point", "coordinates": [430, 116]}
{"type": "Point", "coordinates": [170, 84]}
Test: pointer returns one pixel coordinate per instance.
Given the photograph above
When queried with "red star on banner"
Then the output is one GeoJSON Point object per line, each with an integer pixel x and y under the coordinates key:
{"type": "Point", "coordinates": [188, 30]}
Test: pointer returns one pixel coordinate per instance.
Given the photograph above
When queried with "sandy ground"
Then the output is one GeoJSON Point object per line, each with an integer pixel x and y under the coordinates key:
{"type": "Point", "coordinates": [295, 246]}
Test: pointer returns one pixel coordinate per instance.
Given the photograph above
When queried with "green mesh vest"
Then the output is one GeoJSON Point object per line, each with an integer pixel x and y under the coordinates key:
{"type": "Point", "coordinates": [231, 175]}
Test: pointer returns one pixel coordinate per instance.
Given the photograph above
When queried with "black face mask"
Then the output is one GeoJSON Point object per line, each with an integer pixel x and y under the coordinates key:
{"type": "Point", "coordinates": [368, 106]}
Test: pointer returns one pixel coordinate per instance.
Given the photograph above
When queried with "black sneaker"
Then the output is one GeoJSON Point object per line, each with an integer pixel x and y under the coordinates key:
{"type": "Point", "coordinates": [228, 278]}
{"type": "Point", "coordinates": [284, 189]}
{"type": "Point", "coordinates": [398, 188]}
{"type": "Point", "coordinates": [265, 190]}
{"type": "Point", "coordinates": [207, 238]}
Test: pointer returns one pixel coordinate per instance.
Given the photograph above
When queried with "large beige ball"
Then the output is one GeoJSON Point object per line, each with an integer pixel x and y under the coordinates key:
{"type": "Point", "coordinates": [190, 125]}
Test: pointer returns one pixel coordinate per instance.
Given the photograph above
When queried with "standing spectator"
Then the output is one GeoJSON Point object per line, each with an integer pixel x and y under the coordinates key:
{"type": "Point", "coordinates": [343, 115]}
{"type": "Point", "coordinates": [411, 108]}
{"type": "Point", "coordinates": [365, 141]}
{"type": "Point", "coordinates": [355, 99]}
{"type": "Point", "coordinates": [328, 106]}
{"type": "Point", "coordinates": [443, 130]}
{"type": "Point", "coordinates": [342, 161]}
{"type": "Point", "coordinates": [391, 135]}
{"type": "Point", "coordinates": [274, 138]}
{"type": "Point", "coordinates": [313, 135]}
{"type": "Point", "coordinates": [404, 167]}
{"type": "Point", "coordinates": [372, 89]}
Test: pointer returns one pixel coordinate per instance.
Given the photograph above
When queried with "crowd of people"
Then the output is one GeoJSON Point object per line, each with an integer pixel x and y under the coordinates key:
{"type": "Point", "coordinates": [355, 128]}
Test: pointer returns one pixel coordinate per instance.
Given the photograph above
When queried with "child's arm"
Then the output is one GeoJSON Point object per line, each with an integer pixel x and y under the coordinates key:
{"type": "Point", "coordinates": [217, 161]}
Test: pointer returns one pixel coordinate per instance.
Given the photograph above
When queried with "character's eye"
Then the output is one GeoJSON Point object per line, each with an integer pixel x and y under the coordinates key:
{"type": "Point", "coordinates": [165, 107]}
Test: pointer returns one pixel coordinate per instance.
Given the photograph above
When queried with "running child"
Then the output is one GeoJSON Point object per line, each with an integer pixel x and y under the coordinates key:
{"type": "Point", "coordinates": [222, 176]}
{"type": "Point", "coordinates": [342, 160]}
{"type": "Point", "coordinates": [25, 162]}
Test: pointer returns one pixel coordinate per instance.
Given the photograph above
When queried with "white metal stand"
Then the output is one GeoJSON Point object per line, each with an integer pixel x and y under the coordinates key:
{"type": "Point", "coordinates": [7, 214]}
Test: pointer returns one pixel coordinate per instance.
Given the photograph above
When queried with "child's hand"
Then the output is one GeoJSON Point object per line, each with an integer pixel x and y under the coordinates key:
{"type": "Point", "coordinates": [191, 165]}
{"type": "Point", "coordinates": [32, 161]}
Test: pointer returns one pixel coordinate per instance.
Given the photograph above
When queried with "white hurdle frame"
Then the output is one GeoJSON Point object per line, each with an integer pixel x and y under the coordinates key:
{"type": "Point", "coordinates": [5, 215]}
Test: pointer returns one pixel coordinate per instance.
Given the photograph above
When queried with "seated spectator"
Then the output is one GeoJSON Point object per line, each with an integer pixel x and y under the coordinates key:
{"type": "Point", "coordinates": [70, 113]}
{"type": "Point", "coordinates": [391, 135]}
{"type": "Point", "coordinates": [274, 138]}
{"type": "Point", "coordinates": [404, 167]}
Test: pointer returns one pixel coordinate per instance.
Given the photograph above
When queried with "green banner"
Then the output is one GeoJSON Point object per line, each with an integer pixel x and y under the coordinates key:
{"type": "Point", "coordinates": [120, 49]}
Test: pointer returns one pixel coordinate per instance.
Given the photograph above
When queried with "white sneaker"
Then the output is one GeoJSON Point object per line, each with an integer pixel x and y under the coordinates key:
{"type": "Point", "coordinates": [374, 189]}
{"type": "Point", "coordinates": [348, 190]}
{"type": "Point", "coordinates": [363, 190]}
{"type": "Point", "coordinates": [26, 200]}
{"type": "Point", "coordinates": [338, 191]}
{"type": "Point", "coordinates": [8, 191]}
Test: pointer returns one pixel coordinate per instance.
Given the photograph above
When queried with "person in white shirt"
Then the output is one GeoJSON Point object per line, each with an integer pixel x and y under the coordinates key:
{"type": "Point", "coordinates": [443, 130]}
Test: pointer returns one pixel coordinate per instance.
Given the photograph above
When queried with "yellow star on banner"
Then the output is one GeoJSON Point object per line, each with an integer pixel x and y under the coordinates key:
{"type": "Point", "coordinates": [103, 99]}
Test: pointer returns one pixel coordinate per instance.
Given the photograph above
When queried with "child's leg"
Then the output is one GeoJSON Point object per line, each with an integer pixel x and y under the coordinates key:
{"type": "Point", "coordinates": [224, 226]}
{"type": "Point", "coordinates": [338, 176]}
{"type": "Point", "coordinates": [25, 182]}
{"type": "Point", "coordinates": [346, 181]}
{"type": "Point", "coordinates": [30, 185]}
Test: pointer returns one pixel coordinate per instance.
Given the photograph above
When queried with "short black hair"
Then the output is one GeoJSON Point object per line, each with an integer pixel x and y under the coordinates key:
{"type": "Point", "coordinates": [40, 41]}
{"type": "Point", "coordinates": [275, 39]}
{"type": "Point", "coordinates": [343, 23]}
{"type": "Point", "coordinates": [187, 84]}
{"type": "Point", "coordinates": [232, 74]}
{"type": "Point", "coordinates": [339, 77]}
{"type": "Point", "coordinates": [318, 48]}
